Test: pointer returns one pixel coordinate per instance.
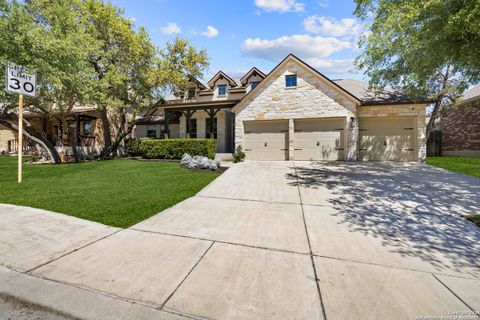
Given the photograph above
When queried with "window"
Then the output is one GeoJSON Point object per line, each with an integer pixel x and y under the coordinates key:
{"type": "Point", "coordinates": [209, 131]}
{"type": "Point", "coordinates": [151, 131]}
{"type": "Point", "coordinates": [291, 81]}
{"type": "Point", "coordinates": [191, 93]}
{"type": "Point", "coordinates": [254, 84]}
{"type": "Point", "coordinates": [193, 128]}
{"type": "Point", "coordinates": [87, 128]}
{"type": "Point", "coordinates": [222, 90]}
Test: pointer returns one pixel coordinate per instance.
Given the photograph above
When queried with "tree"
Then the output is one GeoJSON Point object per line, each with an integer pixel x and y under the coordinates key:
{"type": "Point", "coordinates": [48, 36]}
{"type": "Point", "coordinates": [178, 62]}
{"type": "Point", "coordinates": [428, 48]}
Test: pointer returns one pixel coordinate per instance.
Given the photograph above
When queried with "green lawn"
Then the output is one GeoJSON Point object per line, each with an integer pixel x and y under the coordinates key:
{"type": "Point", "coordinates": [470, 166]}
{"type": "Point", "coordinates": [119, 193]}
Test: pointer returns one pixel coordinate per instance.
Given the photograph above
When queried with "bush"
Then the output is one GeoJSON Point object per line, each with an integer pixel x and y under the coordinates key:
{"type": "Point", "coordinates": [176, 148]}
{"type": "Point", "coordinates": [199, 162]}
{"type": "Point", "coordinates": [239, 155]}
{"type": "Point", "coordinates": [133, 146]}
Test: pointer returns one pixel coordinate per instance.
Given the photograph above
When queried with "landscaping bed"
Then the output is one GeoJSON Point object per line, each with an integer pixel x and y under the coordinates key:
{"type": "Point", "coordinates": [119, 193]}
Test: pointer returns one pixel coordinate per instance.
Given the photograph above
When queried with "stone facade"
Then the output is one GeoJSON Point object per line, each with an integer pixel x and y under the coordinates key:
{"type": "Point", "coordinates": [460, 127]}
{"type": "Point", "coordinates": [314, 97]}
{"type": "Point", "coordinates": [5, 136]}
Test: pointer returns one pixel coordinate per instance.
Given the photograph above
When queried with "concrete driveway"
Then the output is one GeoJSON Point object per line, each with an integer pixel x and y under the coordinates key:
{"type": "Point", "coordinates": [266, 240]}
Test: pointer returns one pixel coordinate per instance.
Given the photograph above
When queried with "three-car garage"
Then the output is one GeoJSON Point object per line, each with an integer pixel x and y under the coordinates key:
{"type": "Point", "coordinates": [324, 139]}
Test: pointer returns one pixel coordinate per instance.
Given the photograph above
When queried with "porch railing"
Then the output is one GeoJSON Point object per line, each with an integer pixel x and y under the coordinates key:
{"type": "Point", "coordinates": [13, 145]}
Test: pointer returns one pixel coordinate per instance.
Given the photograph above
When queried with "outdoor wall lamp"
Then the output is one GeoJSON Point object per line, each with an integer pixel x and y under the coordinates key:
{"type": "Point", "coordinates": [352, 122]}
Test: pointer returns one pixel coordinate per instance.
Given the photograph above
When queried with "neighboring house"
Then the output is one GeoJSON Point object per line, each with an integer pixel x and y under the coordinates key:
{"type": "Point", "coordinates": [460, 126]}
{"type": "Point", "coordinates": [293, 113]}
{"type": "Point", "coordinates": [81, 119]}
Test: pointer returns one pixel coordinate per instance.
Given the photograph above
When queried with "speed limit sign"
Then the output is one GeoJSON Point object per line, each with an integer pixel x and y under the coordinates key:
{"type": "Point", "coordinates": [20, 80]}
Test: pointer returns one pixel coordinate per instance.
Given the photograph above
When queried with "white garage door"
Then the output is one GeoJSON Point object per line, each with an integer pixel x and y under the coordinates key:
{"type": "Point", "coordinates": [319, 139]}
{"type": "Point", "coordinates": [387, 139]}
{"type": "Point", "coordinates": [266, 140]}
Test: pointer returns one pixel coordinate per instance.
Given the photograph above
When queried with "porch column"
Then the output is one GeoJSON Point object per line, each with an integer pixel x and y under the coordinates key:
{"type": "Point", "coordinates": [77, 130]}
{"type": "Point", "coordinates": [167, 129]}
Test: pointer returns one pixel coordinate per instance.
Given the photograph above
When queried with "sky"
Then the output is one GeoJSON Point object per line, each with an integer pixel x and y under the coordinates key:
{"type": "Point", "coordinates": [241, 34]}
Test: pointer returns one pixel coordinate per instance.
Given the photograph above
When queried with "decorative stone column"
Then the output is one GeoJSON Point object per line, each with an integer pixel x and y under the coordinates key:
{"type": "Point", "coordinates": [291, 133]}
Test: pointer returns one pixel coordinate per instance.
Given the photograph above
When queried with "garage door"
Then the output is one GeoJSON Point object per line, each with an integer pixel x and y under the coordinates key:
{"type": "Point", "coordinates": [387, 139]}
{"type": "Point", "coordinates": [319, 139]}
{"type": "Point", "coordinates": [266, 140]}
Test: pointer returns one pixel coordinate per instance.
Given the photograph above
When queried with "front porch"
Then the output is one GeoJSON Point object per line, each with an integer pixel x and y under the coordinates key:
{"type": "Point", "coordinates": [196, 120]}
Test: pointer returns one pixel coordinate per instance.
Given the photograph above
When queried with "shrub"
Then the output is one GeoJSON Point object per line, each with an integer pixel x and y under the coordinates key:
{"type": "Point", "coordinates": [199, 162]}
{"type": "Point", "coordinates": [239, 155]}
{"type": "Point", "coordinates": [133, 146]}
{"type": "Point", "coordinates": [176, 148]}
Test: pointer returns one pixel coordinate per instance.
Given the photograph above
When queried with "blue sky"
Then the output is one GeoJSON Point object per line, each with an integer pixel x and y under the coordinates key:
{"type": "Point", "coordinates": [240, 34]}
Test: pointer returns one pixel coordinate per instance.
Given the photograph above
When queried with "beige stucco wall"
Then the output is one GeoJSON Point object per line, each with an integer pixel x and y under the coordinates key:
{"type": "Point", "coordinates": [5, 136]}
{"type": "Point", "coordinates": [314, 97]}
{"type": "Point", "coordinates": [414, 110]}
{"type": "Point", "coordinates": [201, 117]}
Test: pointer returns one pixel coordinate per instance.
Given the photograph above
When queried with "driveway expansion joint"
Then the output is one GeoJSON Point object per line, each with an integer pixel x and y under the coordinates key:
{"type": "Point", "coordinates": [70, 252]}
{"type": "Point", "coordinates": [317, 280]}
{"type": "Point", "coordinates": [219, 241]}
{"type": "Point", "coordinates": [457, 296]}
{"type": "Point", "coordinates": [186, 276]}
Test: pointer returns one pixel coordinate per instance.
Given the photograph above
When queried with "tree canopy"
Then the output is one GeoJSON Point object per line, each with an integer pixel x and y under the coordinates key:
{"type": "Point", "coordinates": [428, 48]}
{"type": "Point", "coordinates": [87, 52]}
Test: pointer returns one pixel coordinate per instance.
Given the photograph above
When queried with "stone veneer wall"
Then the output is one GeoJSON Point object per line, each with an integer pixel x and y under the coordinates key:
{"type": "Point", "coordinates": [402, 111]}
{"type": "Point", "coordinates": [5, 136]}
{"type": "Point", "coordinates": [312, 98]}
{"type": "Point", "coordinates": [460, 127]}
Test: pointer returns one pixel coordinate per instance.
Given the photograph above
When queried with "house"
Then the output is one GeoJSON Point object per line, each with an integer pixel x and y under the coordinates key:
{"type": "Point", "coordinates": [460, 126]}
{"type": "Point", "coordinates": [81, 120]}
{"type": "Point", "coordinates": [293, 113]}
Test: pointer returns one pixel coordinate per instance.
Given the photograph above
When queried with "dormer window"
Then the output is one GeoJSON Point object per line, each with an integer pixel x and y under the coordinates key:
{"type": "Point", "coordinates": [222, 90]}
{"type": "Point", "coordinates": [291, 80]}
{"type": "Point", "coordinates": [254, 84]}
{"type": "Point", "coordinates": [191, 93]}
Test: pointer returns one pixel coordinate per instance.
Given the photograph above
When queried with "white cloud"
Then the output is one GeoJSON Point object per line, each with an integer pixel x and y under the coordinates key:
{"type": "Point", "coordinates": [305, 46]}
{"type": "Point", "coordinates": [332, 27]}
{"type": "Point", "coordinates": [331, 65]}
{"type": "Point", "coordinates": [211, 32]}
{"type": "Point", "coordinates": [323, 3]}
{"type": "Point", "coordinates": [280, 5]}
{"type": "Point", "coordinates": [171, 28]}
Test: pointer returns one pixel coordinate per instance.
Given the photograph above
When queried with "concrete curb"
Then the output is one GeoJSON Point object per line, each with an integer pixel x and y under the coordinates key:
{"type": "Point", "coordinates": [72, 301]}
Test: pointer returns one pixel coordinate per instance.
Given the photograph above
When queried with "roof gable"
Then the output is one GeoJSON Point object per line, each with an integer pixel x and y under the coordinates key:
{"type": "Point", "coordinates": [251, 72]}
{"type": "Point", "coordinates": [293, 58]}
{"type": "Point", "coordinates": [221, 75]}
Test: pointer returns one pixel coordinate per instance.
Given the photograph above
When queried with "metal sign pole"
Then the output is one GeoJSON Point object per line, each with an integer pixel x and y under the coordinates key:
{"type": "Point", "coordinates": [20, 136]}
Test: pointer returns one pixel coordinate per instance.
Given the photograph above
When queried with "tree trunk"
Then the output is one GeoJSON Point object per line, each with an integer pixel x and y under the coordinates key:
{"type": "Point", "coordinates": [433, 116]}
{"type": "Point", "coordinates": [37, 137]}
{"type": "Point", "coordinates": [107, 135]}
{"type": "Point", "coordinates": [110, 151]}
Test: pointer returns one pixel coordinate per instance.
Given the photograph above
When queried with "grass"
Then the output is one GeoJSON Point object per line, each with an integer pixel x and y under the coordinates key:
{"type": "Point", "coordinates": [469, 166]}
{"type": "Point", "coordinates": [118, 193]}
{"type": "Point", "coordinates": [475, 218]}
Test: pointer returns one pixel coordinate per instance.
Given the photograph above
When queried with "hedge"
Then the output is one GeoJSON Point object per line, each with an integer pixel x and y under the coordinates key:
{"type": "Point", "coordinates": [172, 148]}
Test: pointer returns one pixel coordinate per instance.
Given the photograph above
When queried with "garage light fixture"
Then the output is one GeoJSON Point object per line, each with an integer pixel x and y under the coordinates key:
{"type": "Point", "coordinates": [352, 122]}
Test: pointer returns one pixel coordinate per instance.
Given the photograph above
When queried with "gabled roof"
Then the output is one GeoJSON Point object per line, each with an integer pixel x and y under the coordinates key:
{"type": "Point", "coordinates": [254, 70]}
{"type": "Point", "coordinates": [220, 75]}
{"type": "Point", "coordinates": [370, 96]}
{"type": "Point", "coordinates": [298, 60]}
{"type": "Point", "coordinates": [199, 83]}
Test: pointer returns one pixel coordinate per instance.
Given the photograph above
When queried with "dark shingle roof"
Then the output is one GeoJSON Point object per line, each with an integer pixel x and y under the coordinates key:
{"type": "Point", "coordinates": [360, 90]}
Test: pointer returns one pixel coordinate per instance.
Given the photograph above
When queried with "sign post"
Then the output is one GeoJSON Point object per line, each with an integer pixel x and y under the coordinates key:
{"type": "Point", "coordinates": [18, 80]}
